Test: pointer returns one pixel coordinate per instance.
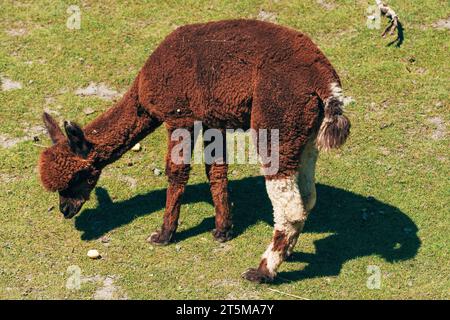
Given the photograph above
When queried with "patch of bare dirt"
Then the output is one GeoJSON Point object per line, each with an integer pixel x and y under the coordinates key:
{"type": "Point", "coordinates": [223, 248]}
{"type": "Point", "coordinates": [440, 128]}
{"type": "Point", "coordinates": [7, 178]}
{"type": "Point", "coordinates": [99, 90]}
{"type": "Point", "coordinates": [144, 23]}
{"type": "Point", "coordinates": [267, 16]}
{"type": "Point", "coordinates": [16, 32]}
{"type": "Point", "coordinates": [49, 100]}
{"type": "Point", "coordinates": [236, 292]}
{"type": "Point", "coordinates": [96, 278]}
{"type": "Point", "coordinates": [52, 112]}
{"type": "Point", "coordinates": [132, 182]}
{"type": "Point", "coordinates": [31, 133]}
{"type": "Point", "coordinates": [9, 142]}
{"type": "Point", "coordinates": [326, 5]}
{"type": "Point", "coordinates": [34, 131]}
{"type": "Point", "coordinates": [107, 289]}
{"type": "Point", "coordinates": [442, 24]}
{"type": "Point", "coordinates": [9, 84]}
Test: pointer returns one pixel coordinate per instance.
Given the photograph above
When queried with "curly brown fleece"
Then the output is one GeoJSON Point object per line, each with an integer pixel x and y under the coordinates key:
{"type": "Point", "coordinates": [227, 74]}
{"type": "Point", "coordinates": [242, 73]}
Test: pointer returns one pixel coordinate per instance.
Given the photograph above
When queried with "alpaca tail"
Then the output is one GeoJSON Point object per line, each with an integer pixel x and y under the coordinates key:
{"type": "Point", "coordinates": [335, 126]}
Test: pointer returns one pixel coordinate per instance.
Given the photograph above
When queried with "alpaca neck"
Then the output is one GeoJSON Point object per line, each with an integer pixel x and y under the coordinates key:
{"type": "Point", "coordinates": [118, 129]}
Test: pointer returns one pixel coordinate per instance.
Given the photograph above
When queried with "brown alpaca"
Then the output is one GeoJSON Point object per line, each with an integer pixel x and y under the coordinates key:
{"type": "Point", "coordinates": [226, 74]}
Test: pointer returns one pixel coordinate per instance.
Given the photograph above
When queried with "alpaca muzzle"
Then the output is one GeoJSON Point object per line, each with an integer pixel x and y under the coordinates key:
{"type": "Point", "coordinates": [69, 208]}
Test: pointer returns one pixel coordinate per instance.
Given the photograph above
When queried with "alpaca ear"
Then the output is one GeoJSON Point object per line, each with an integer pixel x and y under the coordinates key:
{"type": "Point", "coordinates": [77, 141]}
{"type": "Point", "coordinates": [54, 131]}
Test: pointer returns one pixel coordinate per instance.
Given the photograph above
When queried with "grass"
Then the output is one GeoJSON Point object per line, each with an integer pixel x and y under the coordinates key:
{"type": "Point", "coordinates": [383, 199]}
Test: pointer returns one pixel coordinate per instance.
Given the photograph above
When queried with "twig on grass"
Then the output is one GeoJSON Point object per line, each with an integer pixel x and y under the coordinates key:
{"type": "Point", "coordinates": [393, 25]}
{"type": "Point", "coordinates": [287, 294]}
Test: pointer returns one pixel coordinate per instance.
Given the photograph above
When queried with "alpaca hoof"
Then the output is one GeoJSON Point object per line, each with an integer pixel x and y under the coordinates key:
{"type": "Point", "coordinates": [254, 275]}
{"type": "Point", "coordinates": [157, 239]}
{"type": "Point", "coordinates": [222, 236]}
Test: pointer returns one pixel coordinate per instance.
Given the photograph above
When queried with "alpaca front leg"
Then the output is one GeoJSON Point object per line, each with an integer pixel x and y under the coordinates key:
{"type": "Point", "coordinates": [177, 171]}
{"type": "Point", "coordinates": [216, 170]}
{"type": "Point", "coordinates": [171, 215]}
{"type": "Point", "coordinates": [217, 176]}
{"type": "Point", "coordinates": [289, 215]}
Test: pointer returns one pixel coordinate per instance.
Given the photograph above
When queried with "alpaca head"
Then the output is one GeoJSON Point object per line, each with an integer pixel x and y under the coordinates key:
{"type": "Point", "coordinates": [67, 166]}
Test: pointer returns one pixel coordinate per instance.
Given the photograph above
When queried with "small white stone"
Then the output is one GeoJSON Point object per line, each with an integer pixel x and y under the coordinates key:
{"type": "Point", "coordinates": [156, 172]}
{"type": "Point", "coordinates": [136, 147]}
{"type": "Point", "coordinates": [93, 254]}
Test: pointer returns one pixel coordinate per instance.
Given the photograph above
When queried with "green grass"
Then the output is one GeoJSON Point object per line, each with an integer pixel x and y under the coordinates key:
{"type": "Point", "coordinates": [403, 227]}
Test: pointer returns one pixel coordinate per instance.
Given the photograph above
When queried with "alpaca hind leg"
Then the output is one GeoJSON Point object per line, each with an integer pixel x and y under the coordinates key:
{"type": "Point", "coordinates": [281, 102]}
{"type": "Point", "coordinates": [306, 182]}
{"type": "Point", "coordinates": [289, 216]}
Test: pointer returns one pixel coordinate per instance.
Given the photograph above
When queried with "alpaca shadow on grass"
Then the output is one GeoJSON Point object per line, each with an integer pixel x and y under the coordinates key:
{"type": "Point", "coordinates": [357, 226]}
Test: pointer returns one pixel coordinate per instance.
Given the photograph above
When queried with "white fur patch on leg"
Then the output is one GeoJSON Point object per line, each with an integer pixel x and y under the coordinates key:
{"type": "Point", "coordinates": [306, 175]}
{"type": "Point", "coordinates": [307, 184]}
{"type": "Point", "coordinates": [289, 216]}
{"type": "Point", "coordinates": [286, 200]}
